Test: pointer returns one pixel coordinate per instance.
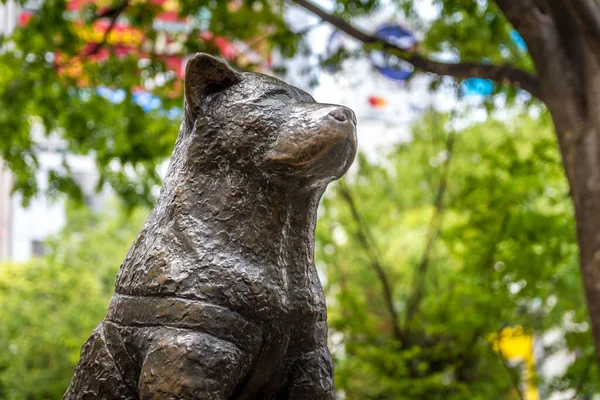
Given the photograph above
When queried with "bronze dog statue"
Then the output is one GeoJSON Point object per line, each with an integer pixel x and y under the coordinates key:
{"type": "Point", "coordinates": [219, 298]}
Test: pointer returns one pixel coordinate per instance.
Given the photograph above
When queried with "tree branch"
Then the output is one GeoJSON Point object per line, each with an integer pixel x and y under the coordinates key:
{"type": "Point", "coordinates": [462, 357]}
{"type": "Point", "coordinates": [583, 378]}
{"type": "Point", "coordinates": [414, 301]}
{"type": "Point", "coordinates": [499, 73]}
{"type": "Point", "coordinates": [527, 16]}
{"type": "Point", "coordinates": [364, 235]}
{"type": "Point", "coordinates": [588, 17]}
{"type": "Point", "coordinates": [520, 12]}
{"type": "Point", "coordinates": [114, 14]}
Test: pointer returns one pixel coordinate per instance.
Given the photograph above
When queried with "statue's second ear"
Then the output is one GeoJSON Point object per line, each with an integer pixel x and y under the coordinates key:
{"type": "Point", "coordinates": [204, 75]}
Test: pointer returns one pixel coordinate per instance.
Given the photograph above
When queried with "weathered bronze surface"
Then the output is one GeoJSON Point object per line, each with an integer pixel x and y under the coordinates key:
{"type": "Point", "coordinates": [219, 298]}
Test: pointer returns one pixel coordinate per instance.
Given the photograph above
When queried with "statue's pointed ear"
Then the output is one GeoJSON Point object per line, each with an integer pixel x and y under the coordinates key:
{"type": "Point", "coordinates": [204, 75]}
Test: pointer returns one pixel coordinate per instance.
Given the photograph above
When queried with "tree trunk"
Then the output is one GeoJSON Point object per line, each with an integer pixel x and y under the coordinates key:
{"type": "Point", "coordinates": [569, 70]}
{"type": "Point", "coordinates": [580, 148]}
{"type": "Point", "coordinates": [586, 198]}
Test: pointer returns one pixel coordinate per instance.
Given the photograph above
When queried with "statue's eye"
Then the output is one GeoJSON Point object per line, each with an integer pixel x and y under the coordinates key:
{"type": "Point", "coordinates": [275, 99]}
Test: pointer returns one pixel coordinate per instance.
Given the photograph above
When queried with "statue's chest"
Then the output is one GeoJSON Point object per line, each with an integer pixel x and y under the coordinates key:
{"type": "Point", "coordinates": [260, 290]}
{"type": "Point", "coordinates": [274, 291]}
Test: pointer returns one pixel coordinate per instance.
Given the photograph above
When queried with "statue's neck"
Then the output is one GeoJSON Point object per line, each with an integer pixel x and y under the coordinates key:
{"type": "Point", "coordinates": [233, 210]}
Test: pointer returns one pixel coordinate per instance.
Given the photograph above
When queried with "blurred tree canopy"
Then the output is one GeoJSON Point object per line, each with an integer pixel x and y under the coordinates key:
{"type": "Point", "coordinates": [49, 306]}
{"type": "Point", "coordinates": [51, 70]}
{"type": "Point", "coordinates": [425, 256]}
{"type": "Point", "coordinates": [49, 76]}
{"type": "Point", "coordinates": [456, 236]}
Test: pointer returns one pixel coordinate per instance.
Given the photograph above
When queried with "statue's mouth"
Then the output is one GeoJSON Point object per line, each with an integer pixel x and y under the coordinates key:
{"type": "Point", "coordinates": [323, 155]}
{"type": "Point", "coordinates": [338, 154]}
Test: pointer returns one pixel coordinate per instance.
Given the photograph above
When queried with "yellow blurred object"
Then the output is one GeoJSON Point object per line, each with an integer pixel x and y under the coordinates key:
{"type": "Point", "coordinates": [515, 345]}
{"type": "Point", "coordinates": [171, 5]}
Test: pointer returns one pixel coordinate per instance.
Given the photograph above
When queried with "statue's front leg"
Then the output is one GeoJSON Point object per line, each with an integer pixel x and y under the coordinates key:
{"type": "Point", "coordinates": [97, 376]}
{"type": "Point", "coordinates": [184, 364]}
{"type": "Point", "coordinates": [311, 377]}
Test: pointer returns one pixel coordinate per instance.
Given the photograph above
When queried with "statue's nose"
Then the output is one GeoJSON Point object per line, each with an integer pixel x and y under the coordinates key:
{"type": "Point", "coordinates": [343, 114]}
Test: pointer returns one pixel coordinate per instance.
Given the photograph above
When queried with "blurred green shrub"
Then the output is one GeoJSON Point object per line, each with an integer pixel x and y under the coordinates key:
{"type": "Point", "coordinates": [455, 236]}
{"type": "Point", "coordinates": [49, 306]}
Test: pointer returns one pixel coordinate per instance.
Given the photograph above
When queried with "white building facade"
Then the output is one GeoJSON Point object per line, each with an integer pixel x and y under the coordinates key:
{"type": "Point", "coordinates": [24, 229]}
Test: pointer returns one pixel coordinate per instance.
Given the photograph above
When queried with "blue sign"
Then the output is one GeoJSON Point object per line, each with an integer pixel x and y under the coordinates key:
{"type": "Point", "coordinates": [146, 100]}
{"type": "Point", "coordinates": [173, 113]}
{"type": "Point", "coordinates": [477, 87]}
{"type": "Point", "coordinates": [389, 65]}
{"type": "Point", "coordinates": [518, 40]}
{"type": "Point", "coordinates": [115, 96]}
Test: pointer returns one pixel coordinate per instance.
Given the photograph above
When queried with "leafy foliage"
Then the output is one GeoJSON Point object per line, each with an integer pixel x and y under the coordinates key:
{"type": "Point", "coordinates": [49, 306]}
{"type": "Point", "coordinates": [502, 253]}
{"type": "Point", "coordinates": [498, 250]}
{"type": "Point", "coordinates": [50, 72]}
{"type": "Point", "coordinates": [455, 237]}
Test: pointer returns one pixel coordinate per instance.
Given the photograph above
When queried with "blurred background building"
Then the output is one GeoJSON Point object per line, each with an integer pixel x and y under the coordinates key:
{"type": "Point", "coordinates": [24, 229]}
